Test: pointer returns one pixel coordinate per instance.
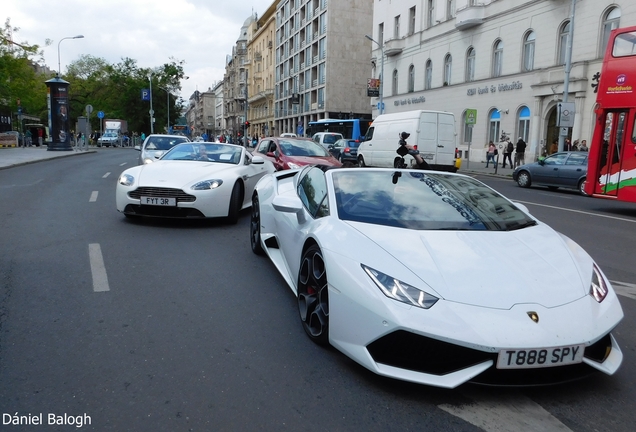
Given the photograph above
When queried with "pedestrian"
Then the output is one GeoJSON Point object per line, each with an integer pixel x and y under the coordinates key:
{"type": "Point", "coordinates": [143, 137]}
{"type": "Point", "coordinates": [490, 154]}
{"type": "Point", "coordinates": [520, 153]}
{"type": "Point", "coordinates": [204, 136]}
{"type": "Point", "coordinates": [583, 146]}
{"type": "Point", "coordinates": [254, 140]}
{"type": "Point", "coordinates": [575, 145]}
{"type": "Point", "coordinates": [40, 134]}
{"type": "Point", "coordinates": [554, 147]}
{"type": "Point", "coordinates": [28, 137]}
{"type": "Point", "coordinates": [567, 146]}
{"type": "Point", "coordinates": [507, 153]}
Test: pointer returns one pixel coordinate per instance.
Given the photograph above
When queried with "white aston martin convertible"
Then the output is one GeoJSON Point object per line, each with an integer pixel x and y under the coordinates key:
{"type": "Point", "coordinates": [401, 271]}
{"type": "Point", "coordinates": [192, 180]}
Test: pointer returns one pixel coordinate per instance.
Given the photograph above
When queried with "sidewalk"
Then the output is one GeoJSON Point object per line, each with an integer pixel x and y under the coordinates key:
{"type": "Point", "coordinates": [478, 167]}
{"type": "Point", "coordinates": [14, 156]}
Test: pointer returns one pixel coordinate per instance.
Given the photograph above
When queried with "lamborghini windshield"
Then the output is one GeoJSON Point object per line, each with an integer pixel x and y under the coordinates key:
{"type": "Point", "coordinates": [423, 201]}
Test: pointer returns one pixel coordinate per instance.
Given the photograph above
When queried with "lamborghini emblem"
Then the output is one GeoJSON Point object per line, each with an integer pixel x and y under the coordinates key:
{"type": "Point", "coordinates": [534, 316]}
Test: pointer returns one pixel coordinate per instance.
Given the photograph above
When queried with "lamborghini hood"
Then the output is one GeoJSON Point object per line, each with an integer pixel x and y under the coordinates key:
{"type": "Point", "coordinates": [495, 269]}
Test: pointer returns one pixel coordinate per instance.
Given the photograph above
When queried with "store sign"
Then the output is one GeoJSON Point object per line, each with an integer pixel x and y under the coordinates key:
{"type": "Point", "coordinates": [502, 87]}
{"type": "Point", "coordinates": [413, 101]}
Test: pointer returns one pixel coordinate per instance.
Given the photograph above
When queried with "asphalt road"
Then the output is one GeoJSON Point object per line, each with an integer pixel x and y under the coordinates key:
{"type": "Point", "coordinates": [177, 326]}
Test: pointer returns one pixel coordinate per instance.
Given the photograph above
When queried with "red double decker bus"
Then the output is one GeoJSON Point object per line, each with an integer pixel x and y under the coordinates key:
{"type": "Point", "coordinates": [611, 170]}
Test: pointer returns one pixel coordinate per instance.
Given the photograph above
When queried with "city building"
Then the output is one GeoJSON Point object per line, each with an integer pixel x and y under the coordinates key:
{"type": "Point", "coordinates": [219, 121]}
{"type": "Point", "coordinates": [503, 58]}
{"type": "Point", "coordinates": [322, 61]}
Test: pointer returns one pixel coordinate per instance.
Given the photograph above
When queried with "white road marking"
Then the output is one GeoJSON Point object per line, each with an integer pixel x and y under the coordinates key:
{"type": "Point", "coordinates": [625, 289]}
{"type": "Point", "coordinates": [98, 269]}
{"type": "Point", "coordinates": [106, 175]}
{"type": "Point", "coordinates": [499, 413]}
{"type": "Point", "coordinates": [93, 197]}
{"type": "Point", "coordinates": [122, 164]}
{"type": "Point", "coordinates": [578, 211]}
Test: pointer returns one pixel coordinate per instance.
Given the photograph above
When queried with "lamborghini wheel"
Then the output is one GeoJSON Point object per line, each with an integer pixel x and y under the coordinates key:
{"type": "Point", "coordinates": [313, 296]}
{"type": "Point", "coordinates": [255, 227]}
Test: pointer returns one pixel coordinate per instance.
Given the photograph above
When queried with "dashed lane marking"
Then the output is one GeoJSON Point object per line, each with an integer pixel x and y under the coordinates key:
{"type": "Point", "coordinates": [122, 164]}
{"type": "Point", "coordinates": [499, 413]}
{"type": "Point", "coordinates": [106, 175]}
{"type": "Point", "coordinates": [625, 289]}
{"type": "Point", "coordinates": [93, 197]}
{"type": "Point", "coordinates": [98, 269]}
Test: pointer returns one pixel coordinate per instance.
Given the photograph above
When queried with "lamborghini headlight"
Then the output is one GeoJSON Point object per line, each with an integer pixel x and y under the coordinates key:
{"type": "Point", "coordinates": [148, 160]}
{"type": "Point", "coordinates": [207, 184]}
{"type": "Point", "coordinates": [400, 291]}
{"type": "Point", "coordinates": [126, 180]}
{"type": "Point", "coordinates": [598, 286]}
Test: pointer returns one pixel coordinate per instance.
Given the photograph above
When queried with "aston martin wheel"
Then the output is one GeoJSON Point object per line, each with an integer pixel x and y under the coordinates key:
{"type": "Point", "coordinates": [235, 204]}
{"type": "Point", "coordinates": [523, 179]}
{"type": "Point", "coordinates": [313, 296]}
{"type": "Point", "coordinates": [255, 227]}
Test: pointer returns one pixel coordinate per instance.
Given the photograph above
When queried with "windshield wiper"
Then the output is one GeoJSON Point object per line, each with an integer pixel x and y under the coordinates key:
{"type": "Point", "coordinates": [516, 225]}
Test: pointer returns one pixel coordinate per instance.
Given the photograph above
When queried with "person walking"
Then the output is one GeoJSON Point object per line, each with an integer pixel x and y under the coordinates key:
{"type": "Point", "coordinates": [583, 146]}
{"type": "Point", "coordinates": [507, 153]}
{"type": "Point", "coordinates": [490, 154]}
{"type": "Point", "coordinates": [520, 153]}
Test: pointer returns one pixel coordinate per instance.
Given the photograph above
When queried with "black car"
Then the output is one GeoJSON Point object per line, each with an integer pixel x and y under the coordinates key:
{"type": "Point", "coordinates": [345, 150]}
{"type": "Point", "coordinates": [563, 169]}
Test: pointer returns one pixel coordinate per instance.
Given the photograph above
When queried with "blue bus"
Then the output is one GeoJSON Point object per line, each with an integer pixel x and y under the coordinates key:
{"type": "Point", "coordinates": [349, 128]}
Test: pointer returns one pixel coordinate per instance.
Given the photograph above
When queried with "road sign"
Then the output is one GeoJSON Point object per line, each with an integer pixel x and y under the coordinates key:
{"type": "Point", "coordinates": [471, 116]}
{"type": "Point", "coordinates": [381, 106]}
{"type": "Point", "coordinates": [565, 112]}
{"type": "Point", "coordinates": [145, 94]}
{"type": "Point", "coordinates": [89, 109]}
{"type": "Point", "coordinates": [100, 114]}
{"type": "Point", "coordinates": [151, 112]}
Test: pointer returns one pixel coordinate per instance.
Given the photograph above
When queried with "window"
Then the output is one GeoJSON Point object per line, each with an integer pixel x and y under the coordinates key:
{"type": "Point", "coordinates": [528, 51]}
{"type": "Point", "coordinates": [563, 42]}
{"type": "Point", "coordinates": [312, 191]}
{"type": "Point", "coordinates": [470, 65]}
{"type": "Point", "coordinates": [494, 126]}
{"type": "Point", "coordinates": [450, 9]}
{"type": "Point", "coordinates": [611, 21]}
{"type": "Point", "coordinates": [394, 88]}
{"type": "Point", "coordinates": [412, 20]}
{"type": "Point", "coordinates": [381, 34]}
{"type": "Point", "coordinates": [497, 58]}
{"type": "Point", "coordinates": [411, 79]}
{"type": "Point", "coordinates": [396, 28]}
{"type": "Point", "coordinates": [448, 65]}
{"type": "Point", "coordinates": [524, 124]}
{"type": "Point", "coordinates": [430, 13]}
{"type": "Point", "coordinates": [428, 77]}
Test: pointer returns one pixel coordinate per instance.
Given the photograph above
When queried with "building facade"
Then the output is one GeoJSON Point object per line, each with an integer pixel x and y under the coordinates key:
{"type": "Point", "coordinates": [503, 58]}
{"type": "Point", "coordinates": [321, 61]}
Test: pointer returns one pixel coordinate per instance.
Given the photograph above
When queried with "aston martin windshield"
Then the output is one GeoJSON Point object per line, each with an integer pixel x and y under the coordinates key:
{"type": "Point", "coordinates": [205, 152]}
{"type": "Point", "coordinates": [424, 201]}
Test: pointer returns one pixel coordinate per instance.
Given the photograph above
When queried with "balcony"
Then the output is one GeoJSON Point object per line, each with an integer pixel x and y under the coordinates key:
{"type": "Point", "coordinates": [470, 16]}
{"type": "Point", "coordinates": [393, 47]}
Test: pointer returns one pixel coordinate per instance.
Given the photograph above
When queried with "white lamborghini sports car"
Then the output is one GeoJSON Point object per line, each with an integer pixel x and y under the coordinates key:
{"type": "Point", "coordinates": [192, 180]}
{"type": "Point", "coordinates": [401, 270]}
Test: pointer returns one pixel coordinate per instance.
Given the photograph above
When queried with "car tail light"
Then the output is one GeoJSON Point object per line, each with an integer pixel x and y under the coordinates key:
{"type": "Point", "coordinates": [415, 147]}
{"type": "Point", "coordinates": [347, 150]}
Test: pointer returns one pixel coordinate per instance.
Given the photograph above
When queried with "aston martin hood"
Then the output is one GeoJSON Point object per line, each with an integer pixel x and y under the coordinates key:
{"type": "Point", "coordinates": [490, 269]}
{"type": "Point", "coordinates": [180, 174]}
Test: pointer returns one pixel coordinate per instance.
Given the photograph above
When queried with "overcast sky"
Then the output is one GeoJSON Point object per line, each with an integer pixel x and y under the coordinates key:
{"type": "Point", "coordinates": [200, 32]}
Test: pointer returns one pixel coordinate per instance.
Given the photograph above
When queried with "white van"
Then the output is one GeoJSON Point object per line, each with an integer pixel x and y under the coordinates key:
{"type": "Point", "coordinates": [326, 139]}
{"type": "Point", "coordinates": [432, 131]}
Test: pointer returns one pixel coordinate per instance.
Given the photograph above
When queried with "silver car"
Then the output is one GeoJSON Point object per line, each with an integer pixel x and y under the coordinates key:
{"type": "Point", "coordinates": [155, 145]}
{"type": "Point", "coordinates": [564, 169]}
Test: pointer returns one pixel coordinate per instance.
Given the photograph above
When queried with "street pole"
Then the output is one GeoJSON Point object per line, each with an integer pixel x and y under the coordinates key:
{"type": "Point", "coordinates": [152, 129]}
{"type": "Point", "coordinates": [59, 64]}
{"type": "Point", "coordinates": [381, 107]}
{"type": "Point", "coordinates": [568, 67]}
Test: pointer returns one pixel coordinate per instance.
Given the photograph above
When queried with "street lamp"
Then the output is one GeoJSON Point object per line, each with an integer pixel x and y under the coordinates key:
{"type": "Point", "coordinates": [152, 129]}
{"type": "Point", "coordinates": [381, 107]}
{"type": "Point", "coordinates": [168, 106]}
{"type": "Point", "coordinates": [59, 67]}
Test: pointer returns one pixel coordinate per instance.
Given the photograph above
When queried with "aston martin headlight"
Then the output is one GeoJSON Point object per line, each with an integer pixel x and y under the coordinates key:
{"type": "Point", "coordinates": [400, 291]}
{"type": "Point", "coordinates": [126, 180]}
{"type": "Point", "coordinates": [598, 286]}
{"type": "Point", "coordinates": [207, 184]}
{"type": "Point", "coordinates": [293, 165]}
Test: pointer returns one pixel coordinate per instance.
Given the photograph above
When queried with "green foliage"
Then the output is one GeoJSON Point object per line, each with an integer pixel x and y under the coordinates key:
{"type": "Point", "coordinates": [112, 88]}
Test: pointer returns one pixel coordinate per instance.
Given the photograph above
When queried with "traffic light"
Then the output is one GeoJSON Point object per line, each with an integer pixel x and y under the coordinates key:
{"type": "Point", "coordinates": [247, 124]}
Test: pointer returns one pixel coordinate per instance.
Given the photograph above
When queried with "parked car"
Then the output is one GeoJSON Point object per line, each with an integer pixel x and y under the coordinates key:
{"type": "Point", "coordinates": [345, 150]}
{"type": "Point", "coordinates": [564, 169]}
{"type": "Point", "coordinates": [326, 139]}
{"type": "Point", "coordinates": [155, 145]}
{"type": "Point", "coordinates": [292, 153]}
{"type": "Point", "coordinates": [372, 257]}
{"type": "Point", "coordinates": [192, 180]}
{"type": "Point", "coordinates": [288, 135]}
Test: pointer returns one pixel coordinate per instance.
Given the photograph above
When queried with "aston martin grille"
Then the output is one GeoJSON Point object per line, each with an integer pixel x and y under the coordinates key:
{"type": "Point", "coordinates": [180, 195]}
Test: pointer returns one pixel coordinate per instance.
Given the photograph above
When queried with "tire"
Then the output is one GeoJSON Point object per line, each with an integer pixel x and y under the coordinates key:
{"type": "Point", "coordinates": [313, 296]}
{"type": "Point", "coordinates": [255, 227]}
{"type": "Point", "coordinates": [361, 162]}
{"type": "Point", "coordinates": [523, 179]}
{"type": "Point", "coordinates": [235, 204]}
{"type": "Point", "coordinates": [581, 186]}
